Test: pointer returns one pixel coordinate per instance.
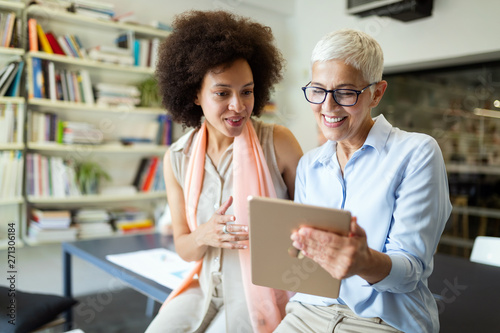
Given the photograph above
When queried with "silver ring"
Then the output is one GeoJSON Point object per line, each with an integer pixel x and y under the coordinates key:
{"type": "Point", "coordinates": [224, 229]}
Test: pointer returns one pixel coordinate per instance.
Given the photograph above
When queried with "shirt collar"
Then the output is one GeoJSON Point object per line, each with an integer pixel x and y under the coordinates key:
{"type": "Point", "coordinates": [377, 138]}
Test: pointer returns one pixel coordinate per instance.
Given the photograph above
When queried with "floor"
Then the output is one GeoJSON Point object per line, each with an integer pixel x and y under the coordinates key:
{"type": "Point", "coordinates": [119, 309]}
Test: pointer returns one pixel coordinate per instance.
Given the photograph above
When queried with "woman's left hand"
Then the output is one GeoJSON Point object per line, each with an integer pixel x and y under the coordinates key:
{"type": "Point", "coordinates": [341, 256]}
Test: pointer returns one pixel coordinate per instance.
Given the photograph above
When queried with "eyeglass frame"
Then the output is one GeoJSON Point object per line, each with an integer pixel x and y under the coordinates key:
{"type": "Point", "coordinates": [358, 92]}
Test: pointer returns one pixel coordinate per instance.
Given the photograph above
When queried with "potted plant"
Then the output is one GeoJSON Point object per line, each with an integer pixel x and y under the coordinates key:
{"type": "Point", "coordinates": [89, 175]}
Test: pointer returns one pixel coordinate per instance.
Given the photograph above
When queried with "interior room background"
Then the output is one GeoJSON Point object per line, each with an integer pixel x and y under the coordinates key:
{"type": "Point", "coordinates": [440, 70]}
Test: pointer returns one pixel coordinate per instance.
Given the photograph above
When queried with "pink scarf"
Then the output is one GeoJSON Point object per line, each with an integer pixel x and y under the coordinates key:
{"type": "Point", "coordinates": [251, 176]}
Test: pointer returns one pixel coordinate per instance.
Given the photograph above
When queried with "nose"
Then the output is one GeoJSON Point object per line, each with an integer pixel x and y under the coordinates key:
{"type": "Point", "coordinates": [330, 103]}
{"type": "Point", "coordinates": [236, 104]}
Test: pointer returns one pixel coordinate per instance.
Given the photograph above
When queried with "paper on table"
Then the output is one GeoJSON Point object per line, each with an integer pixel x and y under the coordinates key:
{"type": "Point", "coordinates": [160, 265]}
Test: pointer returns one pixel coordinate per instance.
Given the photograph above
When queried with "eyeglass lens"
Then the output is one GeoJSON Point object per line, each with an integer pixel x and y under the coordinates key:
{"type": "Point", "coordinates": [342, 96]}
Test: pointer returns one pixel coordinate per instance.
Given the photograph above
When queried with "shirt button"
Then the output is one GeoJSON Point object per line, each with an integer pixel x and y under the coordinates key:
{"type": "Point", "coordinates": [216, 205]}
{"type": "Point", "coordinates": [216, 259]}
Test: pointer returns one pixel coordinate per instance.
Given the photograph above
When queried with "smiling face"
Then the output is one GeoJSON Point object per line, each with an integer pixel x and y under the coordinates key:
{"type": "Point", "coordinates": [344, 124]}
{"type": "Point", "coordinates": [226, 98]}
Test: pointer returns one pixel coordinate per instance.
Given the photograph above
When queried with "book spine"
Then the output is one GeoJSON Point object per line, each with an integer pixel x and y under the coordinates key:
{"type": "Point", "coordinates": [37, 78]}
{"type": "Point", "coordinates": [44, 43]}
{"type": "Point", "coordinates": [52, 81]}
{"type": "Point", "coordinates": [32, 35]}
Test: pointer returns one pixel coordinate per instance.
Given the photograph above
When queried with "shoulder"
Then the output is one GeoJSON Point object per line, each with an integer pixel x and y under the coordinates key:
{"type": "Point", "coordinates": [184, 142]}
{"type": "Point", "coordinates": [412, 141]}
{"type": "Point", "coordinates": [262, 129]}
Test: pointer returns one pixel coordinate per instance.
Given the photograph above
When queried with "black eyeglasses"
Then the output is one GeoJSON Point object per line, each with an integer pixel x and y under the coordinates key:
{"type": "Point", "coordinates": [343, 97]}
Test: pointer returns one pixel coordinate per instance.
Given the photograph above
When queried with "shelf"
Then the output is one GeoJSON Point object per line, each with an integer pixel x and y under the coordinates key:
{"type": "Point", "coordinates": [4, 243]}
{"type": "Point", "coordinates": [63, 106]}
{"type": "Point", "coordinates": [477, 211]}
{"type": "Point", "coordinates": [111, 148]}
{"type": "Point", "coordinates": [68, 17]}
{"type": "Point", "coordinates": [11, 146]}
{"type": "Point", "coordinates": [12, 5]}
{"type": "Point", "coordinates": [11, 201]}
{"type": "Point", "coordinates": [12, 100]}
{"type": "Point", "coordinates": [96, 199]}
{"type": "Point", "coordinates": [473, 169]}
{"type": "Point", "coordinates": [11, 51]}
{"type": "Point", "coordinates": [78, 63]}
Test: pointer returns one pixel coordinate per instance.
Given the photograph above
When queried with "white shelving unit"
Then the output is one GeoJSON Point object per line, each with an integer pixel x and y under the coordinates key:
{"type": "Point", "coordinates": [12, 209]}
{"type": "Point", "coordinates": [120, 161]}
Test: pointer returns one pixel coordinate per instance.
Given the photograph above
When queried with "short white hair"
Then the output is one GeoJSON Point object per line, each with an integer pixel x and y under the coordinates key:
{"type": "Point", "coordinates": [355, 48]}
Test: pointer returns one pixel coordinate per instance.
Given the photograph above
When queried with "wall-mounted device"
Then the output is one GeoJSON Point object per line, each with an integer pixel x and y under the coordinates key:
{"type": "Point", "coordinates": [403, 10]}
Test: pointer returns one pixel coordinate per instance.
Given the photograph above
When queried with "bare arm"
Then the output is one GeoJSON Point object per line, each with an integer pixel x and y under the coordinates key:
{"type": "Point", "coordinates": [192, 246]}
{"type": "Point", "coordinates": [288, 152]}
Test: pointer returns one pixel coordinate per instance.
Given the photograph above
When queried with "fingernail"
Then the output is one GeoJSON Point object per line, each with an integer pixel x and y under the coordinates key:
{"type": "Point", "coordinates": [302, 232]}
{"type": "Point", "coordinates": [245, 228]}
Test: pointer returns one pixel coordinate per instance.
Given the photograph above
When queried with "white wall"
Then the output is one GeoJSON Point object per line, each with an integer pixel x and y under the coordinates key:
{"type": "Point", "coordinates": [458, 32]}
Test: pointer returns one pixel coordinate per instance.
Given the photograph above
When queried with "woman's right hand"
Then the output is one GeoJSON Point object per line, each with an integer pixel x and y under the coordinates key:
{"type": "Point", "coordinates": [213, 232]}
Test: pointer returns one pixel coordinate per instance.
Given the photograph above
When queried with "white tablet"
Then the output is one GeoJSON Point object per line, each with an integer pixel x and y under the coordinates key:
{"type": "Point", "coordinates": [274, 261]}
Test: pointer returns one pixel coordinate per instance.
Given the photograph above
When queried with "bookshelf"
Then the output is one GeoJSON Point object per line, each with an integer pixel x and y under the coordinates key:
{"type": "Point", "coordinates": [128, 131]}
{"type": "Point", "coordinates": [12, 113]}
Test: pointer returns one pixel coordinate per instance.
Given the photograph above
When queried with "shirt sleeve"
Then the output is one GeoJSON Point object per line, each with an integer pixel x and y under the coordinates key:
{"type": "Point", "coordinates": [421, 210]}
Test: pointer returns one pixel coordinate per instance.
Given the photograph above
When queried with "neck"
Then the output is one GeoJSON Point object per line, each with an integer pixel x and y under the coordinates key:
{"type": "Point", "coordinates": [217, 143]}
{"type": "Point", "coordinates": [346, 148]}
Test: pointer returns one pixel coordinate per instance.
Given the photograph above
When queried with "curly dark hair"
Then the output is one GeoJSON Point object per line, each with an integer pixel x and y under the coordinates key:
{"type": "Point", "coordinates": [203, 40]}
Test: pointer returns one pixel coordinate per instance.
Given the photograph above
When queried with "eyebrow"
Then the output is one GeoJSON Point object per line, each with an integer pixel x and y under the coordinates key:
{"type": "Point", "coordinates": [250, 84]}
{"type": "Point", "coordinates": [340, 86]}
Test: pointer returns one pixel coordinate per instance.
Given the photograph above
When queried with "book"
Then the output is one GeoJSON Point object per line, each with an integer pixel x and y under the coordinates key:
{"type": "Point", "coordinates": [44, 43]}
{"type": "Point", "coordinates": [140, 171]}
{"type": "Point", "coordinates": [38, 84]}
{"type": "Point", "coordinates": [8, 29]}
{"type": "Point", "coordinates": [52, 81]}
{"type": "Point", "coordinates": [150, 175]}
{"type": "Point", "coordinates": [65, 47]}
{"type": "Point", "coordinates": [8, 76]}
{"type": "Point", "coordinates": [88, 93]}
{"type": "Point", "coordinates": [13, 90]}
{"type": "Point", "coordinates": [32, 35]}
{"type": "Point", "coordinates": [38, 234]}
{"type": "Point", "coordinates": [54, 44]}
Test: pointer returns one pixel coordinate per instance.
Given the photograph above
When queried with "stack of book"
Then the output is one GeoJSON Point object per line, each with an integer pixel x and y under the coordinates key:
{"type": "Point", "coordinates": [132, 220]}
{"type": "Point", "coordinates": [95, 9]}
{"type": "Point", "coordinates": [80, 133]}
{"type": "Point", "coordinates": [51, 225]}
{"type": "Point", "coordinates": [111, 54]}
{"type": "Point", "coordinates": [11, 174]}
{"type": "Point", "coordinates": [93, 223]}
{"type": "Point", "coordinates": [109, 94]}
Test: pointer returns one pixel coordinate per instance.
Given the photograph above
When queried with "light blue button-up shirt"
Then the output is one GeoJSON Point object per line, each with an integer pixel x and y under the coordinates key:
{"type": "Point", "coordinates": [396, 185]}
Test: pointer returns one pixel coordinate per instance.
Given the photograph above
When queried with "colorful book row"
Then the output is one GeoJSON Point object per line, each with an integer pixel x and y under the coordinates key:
{"type": "Point", "coordinates": [149, 175]}
{"type": "Point", "coordinates": [50, 176]}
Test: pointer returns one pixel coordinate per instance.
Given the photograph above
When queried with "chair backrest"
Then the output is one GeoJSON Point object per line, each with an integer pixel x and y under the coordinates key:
{"type": "Point", "coordinates": [486, 250]}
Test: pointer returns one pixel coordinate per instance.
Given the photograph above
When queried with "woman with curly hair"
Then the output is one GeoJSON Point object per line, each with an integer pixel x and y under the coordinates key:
{"type": "Point", "coordinates": [215, 72]}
